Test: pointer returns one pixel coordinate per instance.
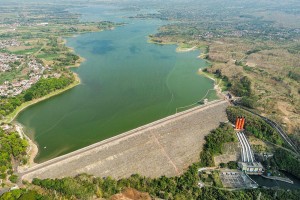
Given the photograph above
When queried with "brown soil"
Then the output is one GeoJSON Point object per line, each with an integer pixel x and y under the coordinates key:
{"type": "Point", "coordinates": [278, 95]}
{"type": "Point", "coordinates": [231, 152]}
{"type": "Point", "coordinates": [131, 194]}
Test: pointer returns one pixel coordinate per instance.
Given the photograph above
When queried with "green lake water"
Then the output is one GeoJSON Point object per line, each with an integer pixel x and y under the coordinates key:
{"type": "Point", "coordinates": [126, 83]}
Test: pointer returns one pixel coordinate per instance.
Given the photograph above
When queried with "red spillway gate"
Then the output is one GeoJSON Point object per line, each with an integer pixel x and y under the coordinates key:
{"type": "Point", "coordinates": [237, 123]}
{"type": "Point", "coordinates": [243, 123]}
{"type": "Point", "coordinates": [240, 123]}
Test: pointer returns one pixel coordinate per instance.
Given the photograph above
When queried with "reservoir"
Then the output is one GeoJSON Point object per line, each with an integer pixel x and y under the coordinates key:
{"type": "Point", "coordinates": [126, 82]}
{"type": "Point", "coordinates": [269, 183]}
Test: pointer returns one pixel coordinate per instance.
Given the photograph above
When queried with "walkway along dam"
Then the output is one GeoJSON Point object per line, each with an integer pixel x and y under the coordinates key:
{"type": "Point", "coordinates": [164, 147]}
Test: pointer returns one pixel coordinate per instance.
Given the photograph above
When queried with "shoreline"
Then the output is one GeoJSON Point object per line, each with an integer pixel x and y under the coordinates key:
{"type": "Point", "coordinates": [33, 147]}
{"type": "Point", "coordinates": [32, 151]}
{"type": "Point", "coordinates": [9, 118]}
{"type": "Point", "coordinates": [151, 41]}
{"type": "Point", "coordinates": [217, 87]}
{"type": "Point", "coordinates": [72, 50]}
{"type": "Point", "coordinates": [180, 49]}
{"type": "Point", "coordinates": [78, 63]}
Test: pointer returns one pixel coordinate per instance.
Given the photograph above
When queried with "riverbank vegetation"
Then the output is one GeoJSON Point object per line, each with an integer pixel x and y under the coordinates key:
{"type": "Point", "coordinates": [46, 86]}
{"type": "Point", "coordinates": [41, 88]}
{"type": "Point", "coordinates": [287, 162]}
{"type": "Point", "coordinates": [12, 153]}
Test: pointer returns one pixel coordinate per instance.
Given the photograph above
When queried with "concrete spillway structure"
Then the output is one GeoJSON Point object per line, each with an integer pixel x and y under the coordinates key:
{"type": "Point", "coordinates": [249, 150]}
{"type": "Point", "coordinates": [242, 149]}
{"type": "Point", "coordinates": [247, 154]}
{"type": "Point", "coordinates": [248, 164]}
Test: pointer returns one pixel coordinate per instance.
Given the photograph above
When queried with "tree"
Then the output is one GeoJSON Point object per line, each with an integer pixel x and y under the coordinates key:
{"type": "Point", "coordinates": [28, 96]}
{"type": "Point", "coordinates": [13, 178]}
{"type": "Point", "coordinates": [223, 165]}
{"type": "Point", "coordinates": [232, 165]}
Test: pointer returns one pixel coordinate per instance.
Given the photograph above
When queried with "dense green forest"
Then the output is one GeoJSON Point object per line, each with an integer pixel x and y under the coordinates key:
{"type": "Point", "coordinates": [46, 86]}
{"type": "Point", "coordinates": [214, 143]}
{"type": "Point", "coordinates": [135, 181]}
{"type": "Point", "coordinates": [255, 125]}
{"type": "Point", "coordinates": [41, 88]}
{"type": "Point", "coordinates": [239, 87]}
{"type": "Point", "coordinates": [287, 162]}
{"type": "Point", "coordinates": [183, 187]}
{"type": "Point", "coordinates": [242, 87]}
{"type": "Point", "coordinates": [12, 147]}
{"type": "Point", "coordinates": [23, 194]}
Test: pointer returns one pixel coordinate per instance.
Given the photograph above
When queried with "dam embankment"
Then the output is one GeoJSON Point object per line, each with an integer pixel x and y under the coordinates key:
{"type": "Point", "coordinates": [164, 147]}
